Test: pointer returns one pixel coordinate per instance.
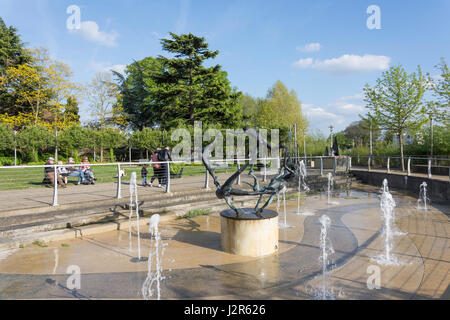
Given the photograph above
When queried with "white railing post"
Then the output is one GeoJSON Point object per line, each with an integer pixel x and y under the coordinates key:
{"type": "Point", "coordinates": [265, 170]}
{"type": "Point", "coordinates": [389, 165]}
{"type": "Point", "coordinates": [206, 179]}
{"type": "Point", "coordinates": [239, 176]}
{"type": "Point", "coordinates": [55, 187]}
{"type": "Point", "coordinates": [429, 168]}
{"type": "Point", "coordinates": [168, 178]}
{"type": "Point", "coordinates": [350, 162]}
{"type": "Point", "coordinates": [409, 166]}
{"type": "Point", "coordinates": [321, 166]}
{"type": "Point", "coordinates": [334, 164]}
{"type": "Point", "coordinates": [119, 183]}
{"type": "Point", "coordinates": [368, 163]}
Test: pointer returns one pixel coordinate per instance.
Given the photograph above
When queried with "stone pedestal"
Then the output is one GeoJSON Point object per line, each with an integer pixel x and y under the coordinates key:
{"type": "Point", "coordinates": [249, 235]}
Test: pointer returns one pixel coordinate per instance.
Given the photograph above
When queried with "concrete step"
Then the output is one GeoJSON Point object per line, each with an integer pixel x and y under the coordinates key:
{"type": "Point", "coordinates": [74, 226]}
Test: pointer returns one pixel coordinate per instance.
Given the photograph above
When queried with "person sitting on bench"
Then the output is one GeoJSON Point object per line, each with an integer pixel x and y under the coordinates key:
{"type": "Point", "coordinates": [49, 174]}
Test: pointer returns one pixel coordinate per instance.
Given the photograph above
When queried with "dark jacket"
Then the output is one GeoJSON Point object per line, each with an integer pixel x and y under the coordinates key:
{"type": "Point", "coordinates": [49, 169]}
{"type": "Point", "coordinates": [143, 172]}
{"type": "Point", "coordinates": [164, 155]}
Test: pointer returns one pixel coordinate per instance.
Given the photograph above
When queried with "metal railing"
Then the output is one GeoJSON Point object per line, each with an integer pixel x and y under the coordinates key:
{"type": "Point", "coordinates": [429, 166]}
{"type": "Point", "coordinates": [19, 177]}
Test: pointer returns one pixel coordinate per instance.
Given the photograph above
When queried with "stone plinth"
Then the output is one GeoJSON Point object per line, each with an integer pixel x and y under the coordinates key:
{"type": "Point", "coordinates": [249, 235]}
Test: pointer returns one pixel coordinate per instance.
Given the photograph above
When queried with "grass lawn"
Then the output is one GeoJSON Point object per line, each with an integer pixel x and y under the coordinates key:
{"type": "Point", "coordinates": [32, 177]}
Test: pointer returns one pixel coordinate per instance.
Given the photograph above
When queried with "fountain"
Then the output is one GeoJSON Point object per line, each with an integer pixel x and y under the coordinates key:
{"type": "Point", "coordinates": [330, 188]}
{"type": "Point", "coordinates": [284, 225]}
{"type": "Point", "coordinates": [251, 232]}
{"type": "Point", "coordinates": [302, 185]}
{"type": "Point", "coordinates": [133, 192]}
{"type": "Point", "coordinates": [423, 198]}
{"type": "Point", "coordinates": [387, 205]}
{"type": "Point", "coordinates": [154, 262]}
{"type": "Point", "coordinates": [326, 249]}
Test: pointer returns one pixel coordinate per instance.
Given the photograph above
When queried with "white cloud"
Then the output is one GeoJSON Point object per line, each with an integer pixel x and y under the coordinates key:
{"type": "Point", "coordinates": [346, 64]}
{"type": "Point", "coordinates": [91, 32]}
{"type": "Point", "coordinates": [107, 67]}
{"type": "Point", "coordinates": [310, 47]}
{"type": "Point", "coordinates": [303, 63]}
{"type": "Point", "coordinates": [349, 105]}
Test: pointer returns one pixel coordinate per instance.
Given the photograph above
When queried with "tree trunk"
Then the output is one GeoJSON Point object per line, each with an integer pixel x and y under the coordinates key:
{"type": "Point", "coordinates": [146, 154]}
{"type": "Point", "coordinates": [400, 140]}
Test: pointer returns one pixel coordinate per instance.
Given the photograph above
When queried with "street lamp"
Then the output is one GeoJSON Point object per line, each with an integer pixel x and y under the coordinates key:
{"type": "Point", "coordinates": [331, 138]}
{"type": "Point", "coordinates": [431, 134]}
{"type": "Point", "coordinates": [304, 143]}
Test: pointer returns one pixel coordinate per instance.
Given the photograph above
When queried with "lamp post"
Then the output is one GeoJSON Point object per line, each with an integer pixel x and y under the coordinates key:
{"type": "Point", "coordinates": [304, 143]}
{"type": "Point", "coordinates": [431, 134]}
{"type": "Point", "coordinates": [56, 145]}
{"type": "Point", "coordinates": [331, 138]}
{"type": "Point", "coordinates": [15, 148]}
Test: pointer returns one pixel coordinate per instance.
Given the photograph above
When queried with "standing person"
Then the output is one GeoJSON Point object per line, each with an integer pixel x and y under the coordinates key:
{"type": "Point", "coordinates": [156, 168]}
{"type": "Point", "coordinates": [144, 175]}
{"type": "Point", "coordinates": [75, 172]}
{"type": "Point", "coordinates": [49, 173]}
{"type": "Point", "coordinates": [165, 155]}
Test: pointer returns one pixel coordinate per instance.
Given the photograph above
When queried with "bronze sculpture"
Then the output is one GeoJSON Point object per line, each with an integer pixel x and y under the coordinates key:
{"type": "Point", "coordinates": [276, 184]}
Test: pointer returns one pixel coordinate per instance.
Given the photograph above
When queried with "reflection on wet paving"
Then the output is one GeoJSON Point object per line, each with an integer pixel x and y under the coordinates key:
{"type": "Point", "coordinates": [195, 267]}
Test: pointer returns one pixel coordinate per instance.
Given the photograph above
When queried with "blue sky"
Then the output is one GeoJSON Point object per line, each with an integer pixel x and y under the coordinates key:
{"type": "Point", "coordinates": [321, 49]}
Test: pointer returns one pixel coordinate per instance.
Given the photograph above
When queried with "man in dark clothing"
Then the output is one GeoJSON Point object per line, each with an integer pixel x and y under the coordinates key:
{"type": "Point", "coordinates": [164, 155]}
{"type": "Point", "coordinates": [49, 173]}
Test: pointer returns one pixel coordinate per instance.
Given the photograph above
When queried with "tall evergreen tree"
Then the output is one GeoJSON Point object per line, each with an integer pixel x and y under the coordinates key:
{"type": "Point", "coordinates": [189, 91]}
{"type": "Point", "coordinates": [12, 54]}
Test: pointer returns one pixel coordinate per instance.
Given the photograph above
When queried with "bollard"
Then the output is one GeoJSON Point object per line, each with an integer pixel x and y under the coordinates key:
{"type": "Point", "coordinates": [206, 180]}
{"type": "Point", "coordinates": [55, 188]}
{"type": "Point", "coordinates": [168, 178]}
{"type": "Point", "coordinates": [389, 165]}
{"type": "Point", "coordinates": [119, 183]}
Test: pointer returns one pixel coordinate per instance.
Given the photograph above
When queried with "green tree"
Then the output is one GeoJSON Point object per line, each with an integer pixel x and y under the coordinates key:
{"type": "Point", "coordinates": [138, 93]}
{"type": "Point", "coordinates": [35, 138]}
{"type": "Point", "coordinates": [110, 139]}
{"type": "Point", "coordinates": [12, 54]}
{"type": "Point", "coordinates": [146, 139]}
{"type": "Point", "coordinates": [280, 110]}
{"type": "Point", "coordinates": [441, 91]}
{"type": "Point", "coordinates": [72, 139]}
{"type": "Point", "coordinates": [396, 102]}
{"type": "Point", "coordinates": [6, 137]}
{"type": "Point", "coordinates": [188, 91]}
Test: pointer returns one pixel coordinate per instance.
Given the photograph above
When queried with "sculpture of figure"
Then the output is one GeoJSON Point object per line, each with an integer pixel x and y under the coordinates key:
{"type": "Point", "coordinates": [276, 184]}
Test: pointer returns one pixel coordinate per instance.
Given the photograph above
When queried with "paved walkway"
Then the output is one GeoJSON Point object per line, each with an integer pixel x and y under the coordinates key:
{"type": "Point", "coordinates": [195, 267]}
{"type": "Point", "coordinates": [75, 194]}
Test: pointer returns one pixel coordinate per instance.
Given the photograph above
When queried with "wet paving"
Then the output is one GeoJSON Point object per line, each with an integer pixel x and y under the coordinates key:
{"type": "Point", "coordinates": [195, 267]}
